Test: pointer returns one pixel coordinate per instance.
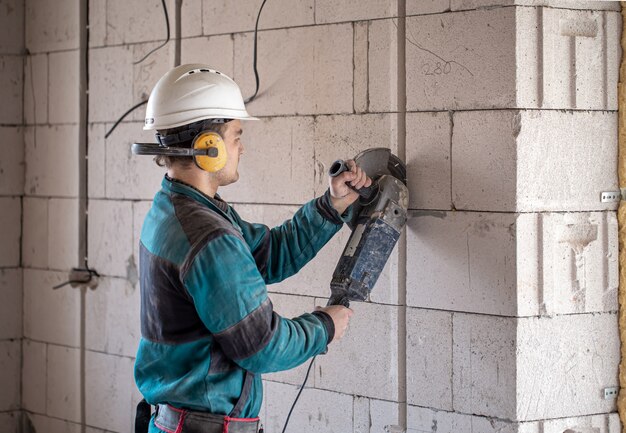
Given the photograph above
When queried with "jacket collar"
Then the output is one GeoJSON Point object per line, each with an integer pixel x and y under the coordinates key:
{"type": "Point", "coordinates": [179, 187]}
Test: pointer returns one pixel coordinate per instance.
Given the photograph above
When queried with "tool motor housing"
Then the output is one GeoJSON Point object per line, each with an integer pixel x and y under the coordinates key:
{"type": "Point", "coordinates": [376, 228]}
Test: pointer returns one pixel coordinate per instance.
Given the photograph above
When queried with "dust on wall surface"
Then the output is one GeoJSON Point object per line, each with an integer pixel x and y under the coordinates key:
{"type": "Point", "coordinates": [498, 310]}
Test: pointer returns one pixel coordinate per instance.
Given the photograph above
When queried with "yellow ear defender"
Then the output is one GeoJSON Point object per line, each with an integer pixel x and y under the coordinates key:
{"type": "Point", "coordinates": [215, 157]}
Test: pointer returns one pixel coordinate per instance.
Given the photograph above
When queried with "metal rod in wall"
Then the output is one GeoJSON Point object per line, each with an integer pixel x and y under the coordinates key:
{"type": "Point", "coordinates": [621, 221]}
{"type": "Point", "coordinates": [82, 261]}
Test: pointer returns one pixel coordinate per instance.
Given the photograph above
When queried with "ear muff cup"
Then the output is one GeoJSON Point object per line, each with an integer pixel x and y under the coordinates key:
{"type": "Point", "coordinates": [217, 156]}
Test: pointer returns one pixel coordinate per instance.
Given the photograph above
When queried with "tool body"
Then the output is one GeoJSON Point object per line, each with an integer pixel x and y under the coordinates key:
{"type": "Point", "coordinates": [378, 218]}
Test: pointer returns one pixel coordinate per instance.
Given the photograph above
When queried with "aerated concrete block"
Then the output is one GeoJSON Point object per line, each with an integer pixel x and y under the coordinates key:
{"type": "Point", "coordinates": [462, 60]}
{"type": "Point", "coordinates": [361, 65]}
{"type": "Point", "coordinates": [128, 175]}
{"type": "Point", "coordinates": [11, 92]}
{"type": "Point", "coordinates": [531, 161]}
{"type": "Point", "coordinates": [132, 22]}
{"type": "Point", "coordinates": [331, 11]}
{"type": "Point", "coordinates": [51, 316]}
{"type": "Point", "coordinates": [567, 263]}
{"type": "Point", "coordinates": [51, 26]}
{"type": "Point", "coordinates": [568, 59]}
{"type": "Point", "coordinates": [570, 141]}
{"type": "Point", "coordinates": [423, 7]}
{"type": "Point", "coordinates": [63, 87]}
{"type": "Point", "coordinates": [563, 365]}
{"type": "Point", "coordinates": [97, 23]}
{"type": "Point", "coordinates": [63, 383]}
{"type": "Point", "coordinates": [512, 57]}
{"type": "Point", "coordinates": [36, 89]}
{"type": "Point", "coordinates": [374, 375]}
{"type": "Point", "coordinates": [290, 306]}
{"type": "Point", "coordinates": [343, 137]}
{"type": "Point", "coordinates": [462, 262]}
{"type": "Point", "coordinates": [428, 144]}
{"type": "Point", "coordinates": [147, 72]}
{"type": "Point", "coordinates": [113, 318]}
{"type": "Point", "coordinates": [51, 161]}
{"type": "Point", "coordinates": [35, 232]}
{"type": "Point", "coordinates": [604, 423]}
{"type": "Point", "coordinates": [361, 410]}
{"type": "Point", "coordinates": [47, 424]}
{"type": "Point", "coordinates": [191, 18]}
{"type": "Point", "coordinates": [429, 358]}
{"type": "Point", "coordinates": [12, 162]}
{"type": "Point", "coordinates": [111, 237]}
{"type": "Point", "coordinates": [11, 306]}
{"type": "Point", "coordinates": [228, 17]}
{"type": "Point", "coordinates": [313, 74]}
{"type": "Point", "coordinates": [484, 377]}
{"type": "Point", "coordinates": [317, 410]}
{"type": "Point", "coordinates": [12, 421]}
{"type": "Point", "coordinates": [10, 364]}
{"type": "Point", "coordinates": [215, 51]}
{"type": "Point", "coordinates": [34, 374]}
{"type": "Point", "coordinates": [10, 223]}
{"type": "Point", "coordinates": [110, 387]}
{"type": "Point", "coordinates": [567, 4]}
{"type": "Point", "coordinates": [277, 165]}
{"type": "Point", "coordinates": [96, 160]}
{"type": "Point", "coordinates": [63, 241]}
{"type": "Point", "coordinates": [383, 65]}
{"type": "Point", "coordinates": [384, 417]}
{"type": "Point", "coordinates": [426, 420]}
{"type": "Point", "coordinates": [12, 27]}
{"type": "Point", "coordinates": [110, 83]}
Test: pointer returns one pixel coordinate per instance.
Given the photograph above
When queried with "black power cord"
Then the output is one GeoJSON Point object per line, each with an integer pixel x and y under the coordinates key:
{"type": "Point", "coordinates": [256, 72]}
{"type": "Point", "coordinates": [167, 39]}
{"type": "Point", "coordinates": [298, 396]}
{"type": "Point", "coordinates": [134, 107]}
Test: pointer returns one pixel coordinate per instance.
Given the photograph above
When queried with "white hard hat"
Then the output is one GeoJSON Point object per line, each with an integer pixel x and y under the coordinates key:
{"type": "Point", "coordinates": [193, 92]}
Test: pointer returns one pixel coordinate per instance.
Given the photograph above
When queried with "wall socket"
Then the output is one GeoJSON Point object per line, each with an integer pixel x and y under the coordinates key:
{"type": "Point", "coordinates": [610, 393]}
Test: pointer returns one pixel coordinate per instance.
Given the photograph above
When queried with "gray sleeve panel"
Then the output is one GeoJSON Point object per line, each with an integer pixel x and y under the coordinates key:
{"type": "Point", "coordinates": [251, 334]}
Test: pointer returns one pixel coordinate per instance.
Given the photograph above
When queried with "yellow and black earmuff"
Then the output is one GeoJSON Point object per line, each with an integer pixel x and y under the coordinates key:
{"type": "Point", "coordinates": [207, 148]}
{"type": "Point", "coordinates": [212, 156]}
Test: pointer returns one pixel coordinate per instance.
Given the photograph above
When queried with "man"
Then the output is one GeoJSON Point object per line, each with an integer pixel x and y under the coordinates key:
{"type": "Point", "coordinates": [208, 327]}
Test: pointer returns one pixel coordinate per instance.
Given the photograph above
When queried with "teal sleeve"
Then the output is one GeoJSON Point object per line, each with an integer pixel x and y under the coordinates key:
{"type": "Point", "coordinates": [282, 251]}
{"type": "Point", "coordinates": [231, 299]}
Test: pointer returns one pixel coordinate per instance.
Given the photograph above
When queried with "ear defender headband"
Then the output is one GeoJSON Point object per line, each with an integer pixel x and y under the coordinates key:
{"type": "Point", "coordinates": [207, 148]}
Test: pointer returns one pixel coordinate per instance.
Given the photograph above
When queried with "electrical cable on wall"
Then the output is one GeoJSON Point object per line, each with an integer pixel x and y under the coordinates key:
{"type": "Point", "coordinates": [167, 38]}
{"type": "Point", "coordinates": [134, 107]}
{"type": "Point", "coordinates": [256, 72]}
{"type": "Point", "coordinates": [167, 23]}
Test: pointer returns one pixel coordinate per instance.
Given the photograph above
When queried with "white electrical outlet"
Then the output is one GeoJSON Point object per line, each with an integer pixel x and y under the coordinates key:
{"type": "Point", "coordinates": [610, 393]}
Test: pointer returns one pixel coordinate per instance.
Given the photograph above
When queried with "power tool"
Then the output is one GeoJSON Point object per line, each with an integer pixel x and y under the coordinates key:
{"type": "Point", "coordinates": [378, 217]}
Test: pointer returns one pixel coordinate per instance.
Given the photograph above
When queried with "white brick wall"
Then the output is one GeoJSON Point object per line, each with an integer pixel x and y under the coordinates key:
{"type": "Point", "coordinates": [11, 92]}
{"type": "Point", "coordinates": [511, 260]}
{"type": "Point", "coordinates": [50, 315]}
{"type": "Point", "coordinates": [51, 26]}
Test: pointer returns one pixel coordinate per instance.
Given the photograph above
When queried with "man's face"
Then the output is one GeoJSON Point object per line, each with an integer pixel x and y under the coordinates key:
{"type": "Point", "coordinates": [234, 147]}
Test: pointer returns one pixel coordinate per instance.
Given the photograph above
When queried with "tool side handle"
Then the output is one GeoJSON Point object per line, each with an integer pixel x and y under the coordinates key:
{"type": "Point", "coordinates": [338, 167]}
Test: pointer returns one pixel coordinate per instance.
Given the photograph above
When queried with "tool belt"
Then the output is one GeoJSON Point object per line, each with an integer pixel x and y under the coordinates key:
{"type": "Point", "coordinates": [173, 420]}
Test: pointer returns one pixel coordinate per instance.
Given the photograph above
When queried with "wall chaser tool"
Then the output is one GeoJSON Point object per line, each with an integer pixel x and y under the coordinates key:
{"type": "Point", "coordinates": [379, 215]}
